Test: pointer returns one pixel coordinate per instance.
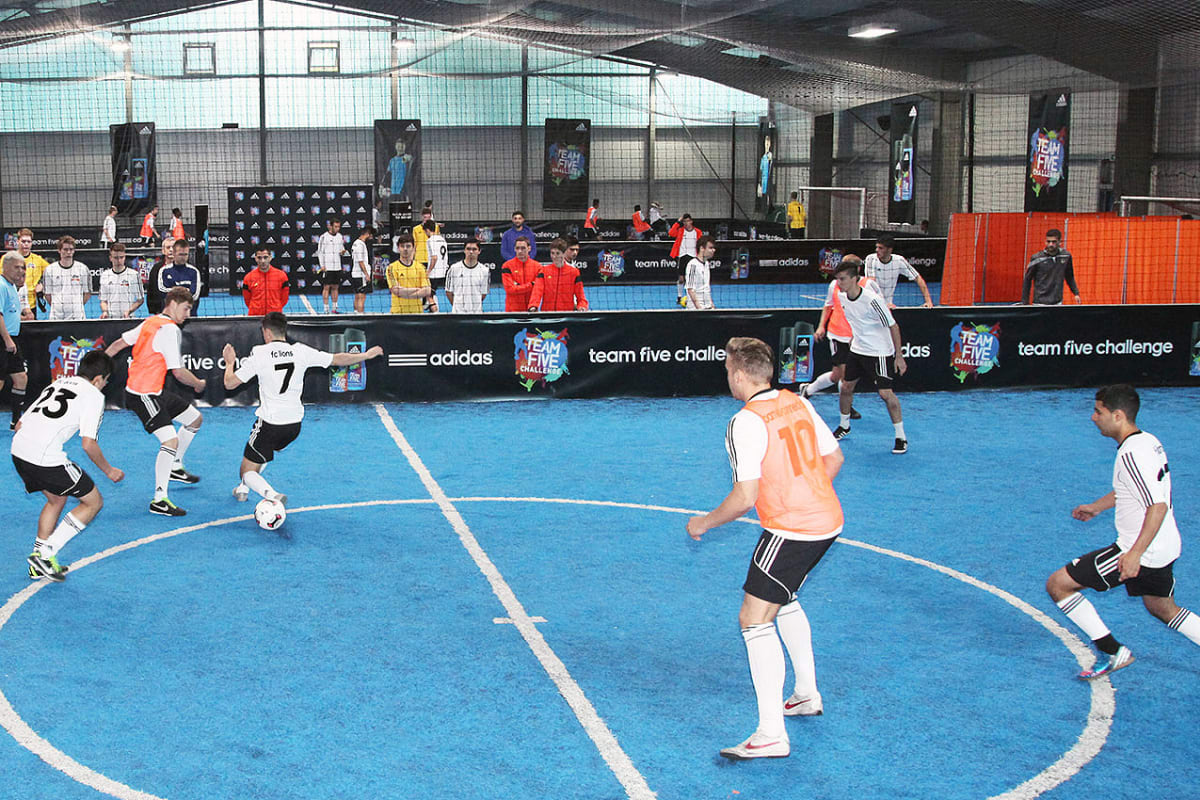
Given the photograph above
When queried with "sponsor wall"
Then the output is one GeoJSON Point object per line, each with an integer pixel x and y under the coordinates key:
{"type": "Point", "coordinates": [665, 353]}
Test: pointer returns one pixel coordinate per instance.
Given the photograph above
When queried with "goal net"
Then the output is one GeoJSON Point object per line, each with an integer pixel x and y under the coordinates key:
{"type": "Point", "coordinates": [834, 212]}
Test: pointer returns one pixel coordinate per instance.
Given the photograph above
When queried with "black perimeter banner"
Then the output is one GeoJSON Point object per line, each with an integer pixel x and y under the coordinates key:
{"type": "Point", "coordinates": [288, 221]}
{"type": "Point", "coordinates": [669, 353]}
{"type": "Point", "coordinates": [1046, 165]}
{"type": "Point", "coordinates": [134, 171]}
{"type": "Point", "coordinates": [566, 163]}
{"type": "Point", "coordinates": [398, 160]}
{"type": "Point", "coordinates": [902, 193]}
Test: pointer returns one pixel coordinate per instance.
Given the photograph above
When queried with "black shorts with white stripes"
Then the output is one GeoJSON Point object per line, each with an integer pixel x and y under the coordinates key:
{"type": "Point", "coordinates": [1098, 570]}
{"type": "Point", "coordinates": [881, 368]}
{"type": "Point", "coordinates": [265, 439]}
{"type": "Point", "coordinates": [839, 351]}
{"type": "Point", "coordinates": [13, 363]}
{"type": "Point", "coordinates": [67, 480]}
{"type": "Point", "coordinates": [780, 566]}
{"type": "Point", "coordinates": [156, 410]}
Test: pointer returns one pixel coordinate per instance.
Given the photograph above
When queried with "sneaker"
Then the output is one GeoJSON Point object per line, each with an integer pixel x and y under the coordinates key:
{"type": "Point", "coordinates": [280, 498]}
{"type": "Point", "coordinates": [46, 567]}
{"type": "Point", "coordinates": [840, 433]}
{"type": "Point", "coordinates": [854, 413]}
{"type": "Point", "coordinates": [241, 493]}
{"type": "Point", "coordinates": [682, 302]}
{"type": "Point", "coordinates": [797, 706]}
{"type": "Point", "coordinates": [183, 476]}
{"type": "Point", "coordinates": [759, 746]}
{"type": "Point", "coordinates": [1119, 660]}
{"type": "Point", "coordinates": [166, 508]}
{"type": "Point", "coordinates": [900, 447]}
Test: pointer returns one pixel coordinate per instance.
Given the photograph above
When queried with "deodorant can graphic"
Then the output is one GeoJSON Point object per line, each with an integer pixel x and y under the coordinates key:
{"type": "Point", "coordinates": [787, 356]}
{"type": "Point", "coordinates": [802, 347]}
{"type": "Point", "coordinates": [1194, 366]}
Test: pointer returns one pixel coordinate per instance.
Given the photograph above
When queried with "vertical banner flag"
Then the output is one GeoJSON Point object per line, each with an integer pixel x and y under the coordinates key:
{"type": "Point", "coordinates": [398, 160]}
{"type": "Point", "coordinates": [902, 194]}
{"type": "Point", "coordinates": [764, 188]}
{"type": "Point", "coordinates": [134, 172]}
{"type": "Point", "coordinates": [566, 163]}
{"type": "Point", "coordinates": [1049, 134]}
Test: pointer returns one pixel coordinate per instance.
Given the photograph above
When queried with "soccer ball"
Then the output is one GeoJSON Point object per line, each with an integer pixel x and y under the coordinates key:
{"type": "Point", "coordinates": [269, 515]}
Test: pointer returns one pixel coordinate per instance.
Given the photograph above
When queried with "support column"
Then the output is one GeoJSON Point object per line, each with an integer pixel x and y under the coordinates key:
{"type": "Point", "coordinates": [820, 173]}
{"type": "Point", "coordinates": [651, 139]}
{"type": "Point", "coordinates": [128, 73]}
{"type": "Point", "coordinates": [395, 76]}
{"type": "Point", "coordinates": [945, 185]}
{"type": "Point", "coordinates": [525, 128]}
{"type": "Point", "coordinates": [262, 93]}
{"type": "Point", "coordinates": [1135, 142]}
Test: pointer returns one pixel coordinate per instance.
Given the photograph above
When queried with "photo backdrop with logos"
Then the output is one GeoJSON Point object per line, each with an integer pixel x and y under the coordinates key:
{"type": "Point", "coordinates": [398, 160]}
{"type": "Point", "coordinates": [288, 221]}
{"type": "Point", "coordinates": [566, 162]}
{"type": "Point", "coordinates": [134, 168]}
{"type": "Point", "coordinates": [1048, 148]}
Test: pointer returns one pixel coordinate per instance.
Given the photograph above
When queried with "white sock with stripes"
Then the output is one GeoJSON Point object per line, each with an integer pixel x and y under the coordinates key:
{"type": "Point", "coordinates": [796, 633]}
{"type": "Point", "coordinates": [819, 384]}
{"type": "Point", "coordinates": [1081, 611]}
{"type": "Point", "coordinates": [1186, 623]}
{"type": "Point", "coordinates": [767, 671]}
{"type": "Point", "coordinates": [899, 426]}
{"type": "Point", "coordinates": [68, 528]}
{"type": "Point", "coordinates": [162, 470]}
{"type": "Point", "coordinates": [186, 435]}
{"type": "Point", "coordinates": [258, 484]}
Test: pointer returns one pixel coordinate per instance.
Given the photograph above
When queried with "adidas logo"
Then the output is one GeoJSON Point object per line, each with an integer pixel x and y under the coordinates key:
{"type": "Point", "coordinates": [581, 127]}
{"type": "Point", "coordinates": [146, 131]}
{"type": "Point", "coordinates": [411, 127]}
{"type": "Point", "coordinates": [1062, 101]}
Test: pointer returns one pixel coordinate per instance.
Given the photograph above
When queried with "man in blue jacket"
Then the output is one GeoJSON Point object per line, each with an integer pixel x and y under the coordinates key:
{"type": "Point", "coordinates": [180, 273]}
{"type": "Point", "coordinates": [508, 241]}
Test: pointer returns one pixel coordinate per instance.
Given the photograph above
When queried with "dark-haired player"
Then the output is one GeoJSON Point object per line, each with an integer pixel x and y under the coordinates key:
{"type": "Point", "coordinates": [1147, 538]}
{"type": "Point", "coordinates": [279, 366]}
{"type": "Point", "coordinates": [70, 405]}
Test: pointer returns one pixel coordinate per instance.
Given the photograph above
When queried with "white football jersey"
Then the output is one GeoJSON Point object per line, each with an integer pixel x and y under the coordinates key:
{"type": "Point", "coordinates": [280, 368]}
{"type": "Point", "coordinates": [888, 275]}
{"type": "Point", "coordinates": [67, 406]}
{"type": "Point", "coordinates": [1142, 478]}
{"type": "Point", "coordinates": [436, 245]}
{"type": "Point", "coordinates": [871, 322]}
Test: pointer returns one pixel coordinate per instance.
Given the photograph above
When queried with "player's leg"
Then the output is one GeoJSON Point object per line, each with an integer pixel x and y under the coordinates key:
{"type": "Point", "coordinates": [1096, 570]}
{"type": "Point", "coordinates": [853, 372]}
{"type": "Point", "coordinates": [63, 481]}
{"type": "Point", "coordinates": [360, 295]}
{"type": "Point", "coordinates": [164, 464]}
{"type": "Point", "coordinates": [1156, 587]}
{"type": "Point", "coordinates": [885, 375]}
{"type": "Point", "coordinates": [190, 420]}
{"type": "Point", "coordinates": [796, 633]}
{"type": "Point", "coordinates": [681, 280]}
{"type": "Point", "coordinates": [334, 291]}
{"type": "Point", "coordinates": [19, 381]}
{"type": "Point", "coordinates": [324, 292]}
{"type": "Point", "coordinates": [265, 439]}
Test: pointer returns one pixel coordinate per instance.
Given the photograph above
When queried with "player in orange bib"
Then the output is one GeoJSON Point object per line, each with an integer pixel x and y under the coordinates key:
{"type": "Point", "coordinates": [784, 459]}
{"type": "Point", "coordinates": [156, 349]}
{"type": "Point", "coordinates": [833, 323]}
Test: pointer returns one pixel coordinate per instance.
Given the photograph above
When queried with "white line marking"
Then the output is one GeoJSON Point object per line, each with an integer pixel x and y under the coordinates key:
{"type": "Point", "coordinates": [507, 621]}
{"type": "Point", "coordinates": [308, 305]}
{"type": "Point", "coordinates": [1091, 740]}
{"type": "Point", "coordinates": [595, 727]}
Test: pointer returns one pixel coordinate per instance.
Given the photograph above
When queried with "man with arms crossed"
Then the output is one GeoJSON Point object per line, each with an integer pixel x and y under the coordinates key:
{"type": "Point", "coordinates": [156, 349]}
{"type": "Point", "coordinates": [467, 282]}
{"type": "Point", "coordinates": [70, 405]}
{"type": "Point", "coordinates": [1147, 537]}
{"type": "Point", "coordinates": [120, 287]}
{"type": "Point", "coordinates": [875, 350]}
{"type": "Point", "coordinates": [784, 460]}
{"type": "Point", "coordinates": [331, 246]}
{"type": "Point", "coordinates": [407, 280]}
{"type": "Point", "coordinates": [279, 367]}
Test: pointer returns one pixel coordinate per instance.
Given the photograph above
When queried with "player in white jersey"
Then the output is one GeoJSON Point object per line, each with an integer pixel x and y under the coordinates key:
{"type": "Point", "coordinates": [886, 269]}
{"type": "Point", "coordinates": [70, 405]}
{"type": "Point", "coordinates": [467, 281]}
{"type": "Point", "coordinates": [439, 259]}
{"type": "Point", "coordinates": [279, 366]}
{"type": "Point", "coordinates": [331, 246]}
{"type": "Point", "coordinates": [1147, 537]}
{"type": "Point", "coordinates": [699, 291]}
{"type": "Point", "coordinates": [875, 350]}
{"type": "Point", "coordinates": [360, 271]}
{"type": "Point", "coordinates": [68, 283]}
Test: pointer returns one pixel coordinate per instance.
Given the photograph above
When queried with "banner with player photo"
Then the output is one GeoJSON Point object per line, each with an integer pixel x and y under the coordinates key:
{"type": "Point", "coordinates": [1047, 151]}
{"type": "Point", "coordinates": [134, 170]}
{"type": "Point", "coordinates": [764, 186]}
{"type": "Point", "coordinates": [902, 191]}
{"type": "Point", "coordinates": [566, 163]}
{"type": "Point", "coordinates": [288, 221]}
{"type": "Point", "coordinates": [398, 160]}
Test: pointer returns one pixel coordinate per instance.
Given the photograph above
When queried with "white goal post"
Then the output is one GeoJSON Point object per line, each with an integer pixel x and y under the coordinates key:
{"type": "Point", "coordinates": [1190, 205]}
{"type": "Point", "coordinates": [851, 208]}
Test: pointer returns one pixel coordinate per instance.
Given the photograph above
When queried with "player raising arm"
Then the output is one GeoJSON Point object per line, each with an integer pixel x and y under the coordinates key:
{"type": "Point", "coordinates": [279, 366]}
{"type": "Point", "coordinates": [70, 405]}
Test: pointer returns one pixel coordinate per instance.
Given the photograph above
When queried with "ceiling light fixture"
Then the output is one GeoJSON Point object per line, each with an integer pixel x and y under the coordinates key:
{"type": "Point", "coordinates": [872, 30]}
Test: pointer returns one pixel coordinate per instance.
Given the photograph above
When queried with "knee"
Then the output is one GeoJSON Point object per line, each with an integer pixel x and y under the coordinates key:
{"type": "Point", "coordinates": [195, 425]}
{"type": "Point", "coordinates": [1056, 587]}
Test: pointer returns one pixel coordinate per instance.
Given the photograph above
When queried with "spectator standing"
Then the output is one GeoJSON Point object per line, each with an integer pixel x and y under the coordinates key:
{"type": "Point", "coordinates": [467, 282]}
{"type": "Point", "coordinates": [108, 229]}
{"type": "Point", "coordinates": [686, 234]}
{"type": "Point", "coordinates": [518, 274]}
{"type": "Point", "coordinates": [120, 287]}
{"type": "Point", "coordinates": [407, 280]}
{"type": "Point", "coordinates": [885, 269]}
{"type": "Point", "coordinates": [639, 224]}
{"type": "Point", "coordinates": [12, 282]}
{"type": "Point", "coordinates": [797, 218]}
{"type": "Point", "coordinates": [265, 288]}
{"type": "Point", "coordinates": [180, 273]}
{"type": "Point", "coordinates": [592, 220]}
{"type": "Point", "coordinates": [154, 297]}
{"type": "Point", "coordinates": [360, 269]}
{"type": "Point", "coordinates": [148, 233]}
{"type": "Point", "coordinates": [330, 249]}
{"type": "Point", "coordinates": [1046, 272]}
{"type": "Point", "coordinates": [508, 240]}
{"type": "Point", "coordinates": [35, 267]}
{"type": "Point", "coordinates": [68, 283]}
{"type": "Point", "coordinates": [439, 257]}
{"type": "Point", "coordinates": [558, 285]}
{"type": "Point", "coordinates": [698, 289]}
{"type": "Point", "coordinates": [420, 236]}
{"type": "Point", "coordinates": [177, 231]}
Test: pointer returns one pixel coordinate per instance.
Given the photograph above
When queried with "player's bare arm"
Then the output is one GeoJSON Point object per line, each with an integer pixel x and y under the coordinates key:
{"type": "Point", "coordinates": [92, 448]}
{"type": "Point", "coordinates": [741, 498]}
{"type": "Point", "coordinates": [924, 291]}
{"type": "Point", "coordinates": [232, 381]}
{"type": "Point", "coordinates": [188, 378]}
{"type": "Point", "coordinates": [346, 359]}
{"type": "Point", "coordinates": [1087, 511]}
{"type": "Point", "coordinates": [901, 364]}
{"type": "Point", "coordinates": [1130, 561]}
{"type": "Point", "coordinates": [117, 346]}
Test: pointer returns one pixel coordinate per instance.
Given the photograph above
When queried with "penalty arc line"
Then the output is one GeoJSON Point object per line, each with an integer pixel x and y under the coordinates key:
{"type": "Point", "coordinates": [593, 724]}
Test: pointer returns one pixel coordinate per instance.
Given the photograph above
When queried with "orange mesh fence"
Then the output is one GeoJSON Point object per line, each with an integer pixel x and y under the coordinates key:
{"type": "Point", "coordinates": [1187, 285]}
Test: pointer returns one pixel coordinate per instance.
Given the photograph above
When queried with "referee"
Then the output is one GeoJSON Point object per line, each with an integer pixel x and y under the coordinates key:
{"type": "Point", "coordinates": [12, 267]}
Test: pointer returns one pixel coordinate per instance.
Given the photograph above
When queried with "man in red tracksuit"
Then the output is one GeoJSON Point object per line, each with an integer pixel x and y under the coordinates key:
{"type": "Point", "coordinates": [265, 288]}
{"type": "Point", "coordinates": [558, 286]}
{"type": "Point", "coordinates": [685, 234]}
{"type": "Point", "coordinates": [517, 275]}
